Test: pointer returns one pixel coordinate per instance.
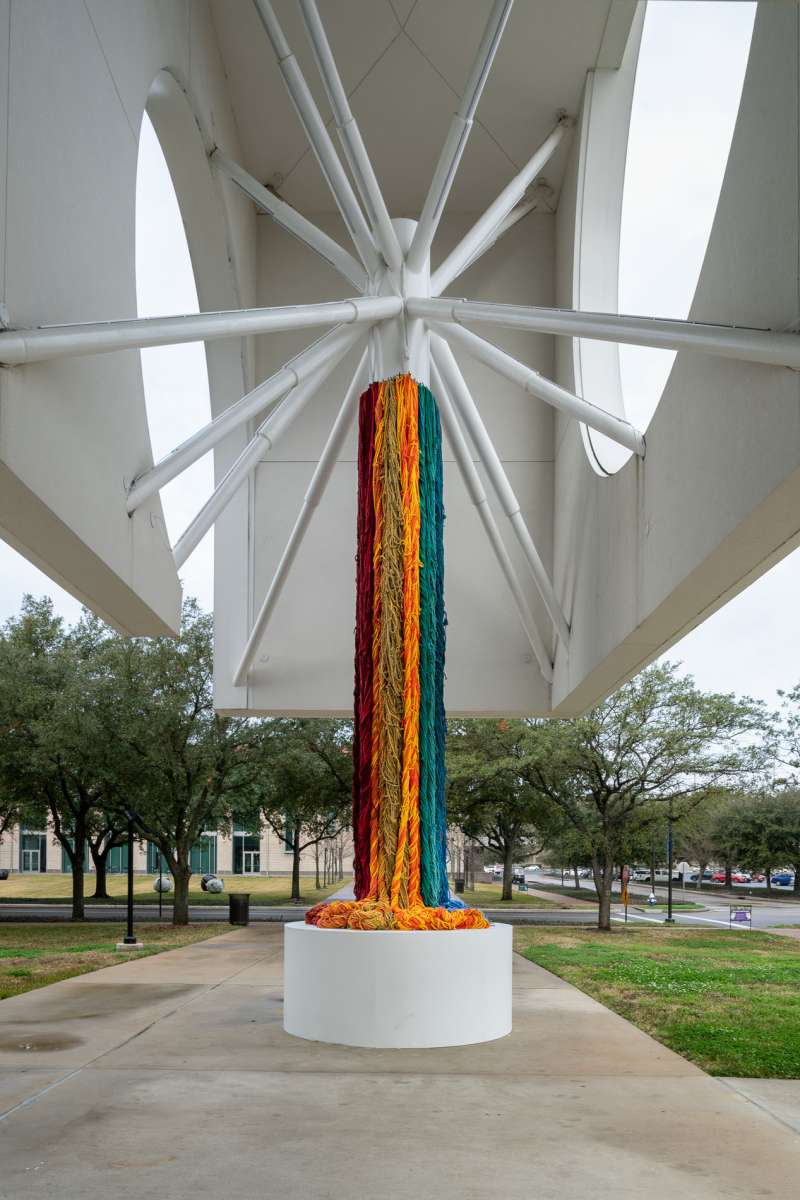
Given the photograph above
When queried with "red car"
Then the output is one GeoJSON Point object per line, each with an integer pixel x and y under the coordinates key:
{"type": "Point", "coordinates": [736, 877]}
{"type": "Point", "coordinates": [718, 877]}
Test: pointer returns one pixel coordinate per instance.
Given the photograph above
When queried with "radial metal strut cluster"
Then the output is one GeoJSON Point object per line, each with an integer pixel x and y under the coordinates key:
{"type": "Point", "coordinates": [400, 314]}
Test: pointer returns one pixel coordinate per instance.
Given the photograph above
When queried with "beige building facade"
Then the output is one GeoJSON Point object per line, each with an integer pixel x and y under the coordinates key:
{"type": "Point", "coordinates": [240, 852]}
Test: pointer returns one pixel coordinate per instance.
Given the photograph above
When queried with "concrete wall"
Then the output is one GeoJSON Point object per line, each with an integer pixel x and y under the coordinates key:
{"type": "Point", "coordinates": [645, 555]}
{"type": "Point", "coordinates": [74, 432]}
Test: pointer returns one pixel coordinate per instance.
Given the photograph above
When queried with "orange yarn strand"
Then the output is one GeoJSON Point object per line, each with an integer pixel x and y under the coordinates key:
{"type": "Point", "coordinates": [407, 860]}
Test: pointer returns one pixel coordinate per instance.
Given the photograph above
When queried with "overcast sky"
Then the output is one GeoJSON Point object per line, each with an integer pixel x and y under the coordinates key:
{"type": "Point", "coordinates": [679, 143]}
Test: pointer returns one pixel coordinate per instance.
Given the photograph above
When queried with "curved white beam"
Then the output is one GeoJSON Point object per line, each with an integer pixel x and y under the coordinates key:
{"type": "Point", "coordinates": [292, 221]}
{"type": "Point", "coordinates": [325, 352]}
{"type": "Point", "coordinates": [350, 137]}
{"type": "Point", "coordinates": [725, 341]}
{"type": "Point", "coordinates": [483, 229]}
{"type": "Point", "coordinates": [467, 409]}
{"type": "Point", "coordinates": [552, 393]}
{"type": "Point", "coordinates": [457, 136]}
{"type": "Point", "coordinates": [316, 489]}
{"type": "Point", "coordinates": [20, 346]}
{"type": "Point", "coordinates": [266, 436]}
{"type": "Point", "coordinates": [319, 139]}
{"type": "Point", "coordinates": [477, 494]}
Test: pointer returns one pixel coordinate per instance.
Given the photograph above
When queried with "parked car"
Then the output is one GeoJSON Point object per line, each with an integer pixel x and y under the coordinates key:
{"type": "Point", "coordinates": [707, 876]}
{"type": "Point", "coordinates": [740, 877]}
{"type": "Point", "coordinates": [783, 879]}
{"type": "Point", "coordinates": [718, 877]}
{"type": "Point", "coordinates": [640, 875]}
{"type": "Point", "coordinates": [757, 878]}
{"type": "Point", "coordinates": [517, 876]}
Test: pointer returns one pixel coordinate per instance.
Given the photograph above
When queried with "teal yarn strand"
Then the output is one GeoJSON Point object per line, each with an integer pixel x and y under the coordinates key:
{"type": "Point", "coordinates": [431, 881]}
{"type": "Point", "coordinates": [440, 722]}
{"type": "Point", "coordinates": [433, 726]}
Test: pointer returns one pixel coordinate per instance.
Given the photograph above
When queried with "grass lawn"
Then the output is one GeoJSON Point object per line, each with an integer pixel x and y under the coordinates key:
{"type": "Point", "coordinates": [487, 895]}
{"type": "Point", "coordinates": [730, 1002]}
{"type": "Point", "coordinates": [56, 889]}
{"type": "Point", "coordinates": [31, 956]}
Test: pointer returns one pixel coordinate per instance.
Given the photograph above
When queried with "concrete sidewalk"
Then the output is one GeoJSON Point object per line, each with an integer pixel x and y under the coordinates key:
{"type": "Point", "coordinates": [173, 1076]}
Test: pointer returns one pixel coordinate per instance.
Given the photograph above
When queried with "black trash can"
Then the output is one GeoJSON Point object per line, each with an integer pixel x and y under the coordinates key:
{"type": "Point", "coordinates": [459, 881]}
{"type": "Point", "coordinates": [239, 908]}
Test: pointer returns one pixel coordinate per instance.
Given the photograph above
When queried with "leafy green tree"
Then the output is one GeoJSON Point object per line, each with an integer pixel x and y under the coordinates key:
{"type": "Point", "coordinates": [488, 797]}
{"type": "Point", "coordinates": [762, 832]}
{"type": "Point", "coordinates": [657, 739]}
{"type": "Point", "coordinates": [699, 835]}
{"type": "Point", "coordinates": [170, 757]}
{"type": "Point", "coordinates": [305, 784]}
{"type": "Point", "coordinates": [48, 729]}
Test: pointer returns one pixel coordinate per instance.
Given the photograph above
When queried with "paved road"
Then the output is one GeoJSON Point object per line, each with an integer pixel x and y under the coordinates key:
{"type": "Point", "coordinates": [716, 915]}
{"type": "Point", "coordinates": [98, 912]}
{"type": "Point", "coordinates": [709, 894]}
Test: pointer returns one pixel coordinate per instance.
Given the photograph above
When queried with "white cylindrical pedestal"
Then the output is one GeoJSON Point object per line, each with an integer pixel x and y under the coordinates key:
{"type": "Point", "coordinates": [392, 988]}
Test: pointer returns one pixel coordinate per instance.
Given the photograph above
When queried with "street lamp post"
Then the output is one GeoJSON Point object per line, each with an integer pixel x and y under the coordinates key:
{"type": "Point", "coordinates": [669, 919]}
{"type": "Point", "coordinates": [130, 941]}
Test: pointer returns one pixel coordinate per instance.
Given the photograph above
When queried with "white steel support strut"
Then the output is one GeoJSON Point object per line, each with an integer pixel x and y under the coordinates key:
{"type": "Point", "coordinates": [539, 198]}
{"type": "Point", "coordinates": [319, 139]}
{"type": "Point", "coordinates": [457, 136]}
{"type": "Point", "coordinates": [726, 341]}
{"type": "Point", "coordinates": [325, 352]}
{"type": "Point", "coordinates": [477, 494]}
{"type": "Point", "coordinates": [350, 137]}
{"type": "Point", "coordinates": [314, 494]}
{"type": "Point", "coordinates": [468, 411]}
{"type": "Point", "coordinates": [292, 221]}
{"type": "Point", "coordinates": [266, 436]}
{"type": "Point", "coordinates": [20, 346]}
{"type": "Point", "coordinates": [552, 393]}
{"type": "Point", "coordinates": [483, 229]}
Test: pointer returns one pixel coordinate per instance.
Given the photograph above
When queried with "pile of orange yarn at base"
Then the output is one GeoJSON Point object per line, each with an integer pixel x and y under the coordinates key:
{"type": "Point", "coordinates": [376, 914]}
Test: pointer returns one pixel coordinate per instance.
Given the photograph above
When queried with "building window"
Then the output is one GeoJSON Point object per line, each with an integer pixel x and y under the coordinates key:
{"type": "Point", "coordinates": [246, 853]}
{"type": "Point", "coordinates": [33, 852]}
{"type": "Point", "coordinates": [155, 861]}
{"type": "Point", "coordinates": [117, 861]}
{"type": "Point", "coordinates": [66, 862]}
{"type": "Point", "coordinates": [203, 856]}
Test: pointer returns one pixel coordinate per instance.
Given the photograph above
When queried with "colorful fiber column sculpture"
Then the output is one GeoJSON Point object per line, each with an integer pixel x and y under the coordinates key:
{"type": "Point", "coordinates": [399, 818]}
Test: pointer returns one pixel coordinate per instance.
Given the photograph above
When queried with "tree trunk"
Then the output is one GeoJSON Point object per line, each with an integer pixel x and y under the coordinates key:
{"type": "Point", "coordinates": [768, 874]}
{"type": "Point", "coordinates": [728, 873]}
{"type": "Point", "coordinates": [316, 866]}
{"type": "Point", "coordinates": [603, 876]}
{"type": "Point", "coordinates": [180, 910]}
{"type": "Point", "coordinates": [577, 880]}
{"type": "Point", "coordinates": [296, 863]}
{"type": "Point", "coordinates": [700, 875]}
{"type": "Point", "coordinates": [796, 888]}
{"type": "Point", "coordinates": [508, 870]}
{"type": "Point", "coordinates": [100, 876]}
{"type": "Point", "coordinates": [341, 861]}
{"type": "Point", "coordinates": [78, 881]}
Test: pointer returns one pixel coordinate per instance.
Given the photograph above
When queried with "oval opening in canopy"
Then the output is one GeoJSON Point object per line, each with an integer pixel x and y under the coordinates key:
{"type": "Point", "coordinates": [689, 80]}
{"type": "Point", "coordinates": [175, 377]}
